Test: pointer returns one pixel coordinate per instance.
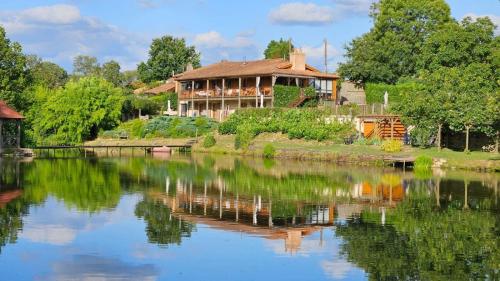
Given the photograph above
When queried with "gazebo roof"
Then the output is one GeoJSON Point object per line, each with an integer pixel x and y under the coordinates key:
{"type": "Point", "coordinates": [8, 113]}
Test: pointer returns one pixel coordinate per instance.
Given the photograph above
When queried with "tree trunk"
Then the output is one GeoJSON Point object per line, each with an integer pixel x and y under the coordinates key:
{"type": "Point", "coordinates": [467, 130]}
{"type": "Point", "coordinates": [466, 205]}
{"type": "Point", "coordinates": [496, 143]}
{"type": "Point", "coordinates": [440, 128]}
{"type": "Point", "coordinates": [438, 187]}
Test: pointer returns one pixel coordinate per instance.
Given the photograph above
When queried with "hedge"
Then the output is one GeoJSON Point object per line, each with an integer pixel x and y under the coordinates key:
{"type": "Point", "coordinates": [285, 95]}
{"type": "Point", "coordinates": [375, 91]}
{"type": "Point", "coordinates": [310, 124]}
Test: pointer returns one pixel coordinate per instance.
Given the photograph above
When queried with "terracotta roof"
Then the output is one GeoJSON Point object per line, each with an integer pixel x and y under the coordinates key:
{"type": "Point", "coordinates": [169, 86]}
{"type": "Point", "coordinates": [251, 68]}
{"type": "Point", "coordinates": [8, 113]}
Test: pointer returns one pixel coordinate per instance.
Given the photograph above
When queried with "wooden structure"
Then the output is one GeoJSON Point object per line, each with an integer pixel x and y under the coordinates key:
{"type": "Point", "coordinates": [219, 89]}
{"type": "Point", "coordinates": [83, 149]}
{"type": "Point", "coordinates": [382, 126]}
{"type": "Point", "coordinates": [7, 114]}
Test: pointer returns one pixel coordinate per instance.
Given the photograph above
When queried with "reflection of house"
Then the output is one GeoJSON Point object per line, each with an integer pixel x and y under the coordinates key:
{"type": "Point", "coordinates": [383, 193]}
{"type": "Point", "coordinates": [7, 196]}
{"type": "Point", "coordinates": [219, 89]}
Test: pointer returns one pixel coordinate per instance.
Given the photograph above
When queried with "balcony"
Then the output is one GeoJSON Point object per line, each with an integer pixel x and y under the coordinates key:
{"type": "Point", "coordinates": [229, 93]}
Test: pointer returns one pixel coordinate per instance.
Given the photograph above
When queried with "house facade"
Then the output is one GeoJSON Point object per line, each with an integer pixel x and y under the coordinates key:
{"type": "Point", "coordinates": [219, 89]}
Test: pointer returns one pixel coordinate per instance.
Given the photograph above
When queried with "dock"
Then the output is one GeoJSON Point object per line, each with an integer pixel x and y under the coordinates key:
{"type": "Point", "coordinates": [86, 149]}
{"type": "Point", "coordinates": [403, 161]}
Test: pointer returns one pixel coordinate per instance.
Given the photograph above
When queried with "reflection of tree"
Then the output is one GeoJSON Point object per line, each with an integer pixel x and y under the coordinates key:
{"type": "Point", "coordinates": [427, 243]}
{"type": "Point", "coordinates": [379, 250]}
{"type": "Point", "coordinates": [162, 228]}
{"type": "Point", "coordinates": [11, 222]}
{"type": "Point", "coordinates": [85, 185]}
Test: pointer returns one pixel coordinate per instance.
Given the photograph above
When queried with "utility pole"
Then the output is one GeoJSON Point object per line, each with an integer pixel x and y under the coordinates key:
{"type": "Point", "coordinates": [326, 56]}
{"type": "Point", "coordinates": [289, 47]}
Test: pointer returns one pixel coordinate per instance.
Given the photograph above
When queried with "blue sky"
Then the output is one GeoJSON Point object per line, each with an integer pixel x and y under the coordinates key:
{"type": "Point", "coordinates": [59, 30]}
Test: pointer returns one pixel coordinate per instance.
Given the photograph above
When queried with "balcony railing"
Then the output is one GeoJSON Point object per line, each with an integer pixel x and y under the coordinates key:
{"type": "Point", "coordinates": [203, 94]}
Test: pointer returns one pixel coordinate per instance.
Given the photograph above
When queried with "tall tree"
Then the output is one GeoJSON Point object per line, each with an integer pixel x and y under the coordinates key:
{"type": "Point", "coordinates": [14, 76]}
{"type": "Point", "coordinates": [111, 72]}
{"type": "Point", "coordinates": [392, 47]}
{"type": "Point", "coordinates": [460, 77]}
{"type": "Point", "coordinates": [46, 73]}
{"type": "Point", "coordinates": [278, 49]}
{"type": "Point", "coordinates": [167, 55]}
{"type": "Point", "coordinates": [85, 66]}
{"type": "Point", "coordinates": [77, 112]}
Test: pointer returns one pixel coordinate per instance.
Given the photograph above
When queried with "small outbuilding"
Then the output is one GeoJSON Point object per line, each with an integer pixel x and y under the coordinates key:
{"type": "Point", "coordinates": [7, 114]}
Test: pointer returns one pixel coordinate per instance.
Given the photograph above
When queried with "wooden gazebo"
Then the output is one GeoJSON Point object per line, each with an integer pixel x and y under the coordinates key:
{"type": "Point", "coordinates": [7, 114]}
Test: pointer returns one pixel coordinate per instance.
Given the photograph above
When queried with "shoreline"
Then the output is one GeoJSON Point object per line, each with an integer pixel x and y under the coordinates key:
{"type": "Point", "coordinates": [354, 154]}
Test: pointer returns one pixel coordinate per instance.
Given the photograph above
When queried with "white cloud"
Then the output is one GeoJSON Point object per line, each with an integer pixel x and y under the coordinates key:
{"type": "Point", "coordinates": [58, 33]}
{"type": "Point", "coordinates": [302, 14]}
{"type": "Point", "coordinates": [50, 234]}
{"type": "Point", "coordinates": [354, 6]}
{"type": "Point", "coordinates": [94, 267]}
{"type": "Point", "coordinates": [336, 269]}
{"type": "Point", "coordinates": [56, 14]}
{"type": "Point", "coordinates": [319, 52]}
{"type": "Point", "coordinates": [214, 46]}
{"type": "Point", "coordinates": [494, 18]}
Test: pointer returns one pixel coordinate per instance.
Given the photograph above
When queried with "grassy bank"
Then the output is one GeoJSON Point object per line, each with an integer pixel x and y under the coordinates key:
{"type": "Point", "coordinates": [355, 153]}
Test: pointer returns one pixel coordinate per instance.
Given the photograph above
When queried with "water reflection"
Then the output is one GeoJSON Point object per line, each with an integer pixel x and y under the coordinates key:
{"type": "Point", "coordinates": [353, 223]}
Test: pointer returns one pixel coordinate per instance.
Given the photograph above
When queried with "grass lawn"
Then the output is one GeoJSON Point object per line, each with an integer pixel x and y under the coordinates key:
{"type": "Point", "coordinates": [357, 153]}
{"type": "Point", "coordinates": [324, 151]}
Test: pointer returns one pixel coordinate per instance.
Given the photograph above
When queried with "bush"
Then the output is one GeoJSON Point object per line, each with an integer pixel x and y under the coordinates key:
{"type": "Point", "coordinates": [164, 127]}
{"type": "Point", "coordinates": [310, 124]}
{"type": "Point", "coordinates": [284, 95]}
{"type": "Point", "coordinates": [209, 141]}
{"type": "Point", "coordinates": [392, 146]}
{"type": "Point", "coordinates": [244, 137]}
{"type": "Point", "coordinates": [269, 151]}
{"type": "Point", "coordinates": [423, 162]}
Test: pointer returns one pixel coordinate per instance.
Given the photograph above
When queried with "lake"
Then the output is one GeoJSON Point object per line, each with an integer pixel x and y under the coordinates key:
{"type": "Point", "coordinates": [201, 217]}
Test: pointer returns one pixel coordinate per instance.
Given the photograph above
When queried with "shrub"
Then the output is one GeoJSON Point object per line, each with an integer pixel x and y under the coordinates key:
{"type": "Point", "coordinates": [209, 141]}
{"type": "Point", "coordinates": [163, 126]}
{"type": "Point", "coordinates": [392, 146]}
{"type": "Point", "coordinates": [423, 162]}
{"type": "Point", "coordinates": [244, 136]}
{"type": "Point", "coordinates": [269, 151]}
{"type": "Point", "coordinates": [284, 95]}
{"type": "Point", "coordinates": [310, 124]}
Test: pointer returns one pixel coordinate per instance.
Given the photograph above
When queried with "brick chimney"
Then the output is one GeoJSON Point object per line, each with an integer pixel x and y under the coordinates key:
{"type": "Point", "coordinates": [189, 66]}
{"type": "Point", "coordinates": [298, 59]}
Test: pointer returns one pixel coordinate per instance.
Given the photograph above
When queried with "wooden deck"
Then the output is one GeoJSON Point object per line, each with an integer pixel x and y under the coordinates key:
{"type": "Point", "coordinates": [88, 149]}
{"type": "Point", "coordinates": [403, 161]}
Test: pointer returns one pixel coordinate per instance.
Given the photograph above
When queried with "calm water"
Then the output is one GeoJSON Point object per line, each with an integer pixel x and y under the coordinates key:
{"type": "Point", "coordinates": [204, 218]}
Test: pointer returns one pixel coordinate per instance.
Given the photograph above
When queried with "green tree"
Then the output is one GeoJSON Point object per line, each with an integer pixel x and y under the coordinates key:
{"type": "Point", "coordinates": [78, 111]}
{"type": "Point", "coordinates": [14, 76]}
{"type": "Point", "coordinates": [167, 55]}
{"type": "Point", "coordinates": [459, 77]}
{"type": "Point", "coordinates": [392, 47]}
{"type": "Point", "coordinates": [278, 49]}
{"type": "Point", "coordinates": [162, 227]}
{"type": "Point", "coordinates": [46, 73]}
{"type": "Point", "coordinates": [111, 72]}
{"type": "Point", "coordinates": [85, 66]}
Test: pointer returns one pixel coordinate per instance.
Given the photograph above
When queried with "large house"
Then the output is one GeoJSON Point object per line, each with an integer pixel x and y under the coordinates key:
{"type": "Point", "coordinates": [219, 89]}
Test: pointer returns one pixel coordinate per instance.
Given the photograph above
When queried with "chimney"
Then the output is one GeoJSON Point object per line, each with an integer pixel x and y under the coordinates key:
{"type": "Point", "coordinates": [189, 66]}
{"type": "Point", "coordinates": [298, 59]}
